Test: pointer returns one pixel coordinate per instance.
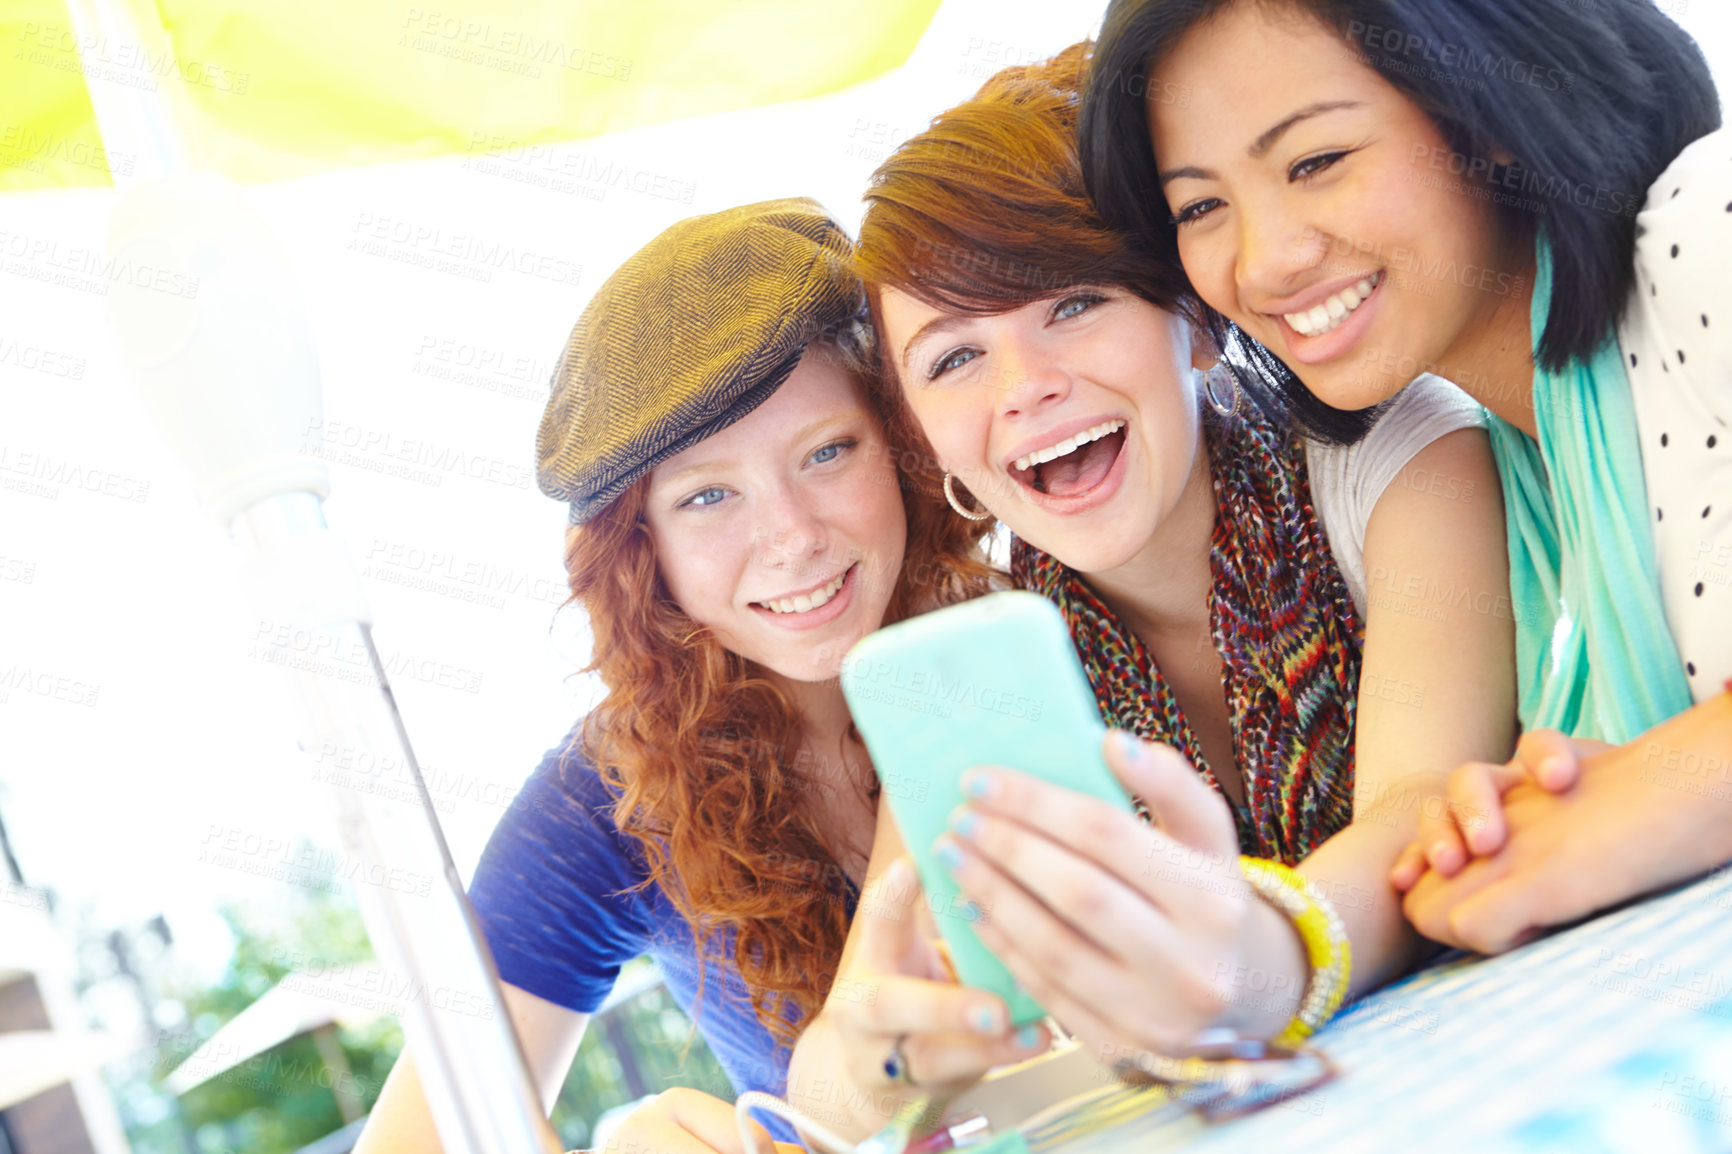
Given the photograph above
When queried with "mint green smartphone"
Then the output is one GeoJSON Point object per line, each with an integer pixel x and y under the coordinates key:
{"type": "Point", "coordinates": [994, 681]}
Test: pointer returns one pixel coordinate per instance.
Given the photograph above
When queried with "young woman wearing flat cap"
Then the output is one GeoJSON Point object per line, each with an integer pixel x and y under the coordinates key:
{"type": "Point", "coordinates": [739, 520]}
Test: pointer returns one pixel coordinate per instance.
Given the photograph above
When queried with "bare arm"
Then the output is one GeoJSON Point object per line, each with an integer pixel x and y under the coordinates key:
{"type": "Point", "coordinates": [1437, 684]}
{"type": "Point", "coordinates": [400, 1122]}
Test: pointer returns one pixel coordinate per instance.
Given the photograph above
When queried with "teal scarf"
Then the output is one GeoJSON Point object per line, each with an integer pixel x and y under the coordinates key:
{"type": "Point", "coordinates": [1595, 657]}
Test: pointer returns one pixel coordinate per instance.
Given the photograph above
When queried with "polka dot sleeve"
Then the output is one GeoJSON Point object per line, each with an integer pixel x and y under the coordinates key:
{"type": "Point", "coordinates": [1677, 343]}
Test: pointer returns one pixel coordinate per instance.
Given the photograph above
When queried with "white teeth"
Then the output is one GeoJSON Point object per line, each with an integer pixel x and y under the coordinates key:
{"type": "Point", "coordinates": [1068, 445]}
{"type": "Point", "coordinates": [1326, 317]}
{"type": "Point", "coordinates": [806, 602]}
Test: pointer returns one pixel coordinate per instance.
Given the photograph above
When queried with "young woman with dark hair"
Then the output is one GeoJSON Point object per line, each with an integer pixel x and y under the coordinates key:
{"type": "Point", "coordinates": [1217, 573]}
{"type": "Point", "coordinates": [1539, 200]}
{"type": "Point", "coordinates": [739, 520]}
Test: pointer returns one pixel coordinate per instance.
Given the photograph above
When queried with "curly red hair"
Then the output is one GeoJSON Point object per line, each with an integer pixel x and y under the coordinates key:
{"type": "Point", "coordinates": [701, 747]}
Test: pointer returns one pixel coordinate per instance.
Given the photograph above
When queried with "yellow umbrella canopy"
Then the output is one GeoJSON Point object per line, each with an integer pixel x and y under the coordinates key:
{"type": "Point", "coordinates": [274, 90]}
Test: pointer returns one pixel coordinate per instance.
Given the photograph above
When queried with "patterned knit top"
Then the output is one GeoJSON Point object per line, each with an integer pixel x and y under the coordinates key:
{"type": "Point", "coordinates": [1284, 624]}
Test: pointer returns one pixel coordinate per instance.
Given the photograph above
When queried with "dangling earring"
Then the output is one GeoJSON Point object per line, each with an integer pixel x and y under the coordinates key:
{"type": "Point", "coordinates": [1219, 381]}
{"type": "Point", "coordinates": [950, 495]}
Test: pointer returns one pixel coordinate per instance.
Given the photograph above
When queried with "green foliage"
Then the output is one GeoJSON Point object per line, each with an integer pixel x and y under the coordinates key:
{"type": "Point", "coordinates": [664, 1048]}
{"type": "Point", "coordinates": [279, 1101]}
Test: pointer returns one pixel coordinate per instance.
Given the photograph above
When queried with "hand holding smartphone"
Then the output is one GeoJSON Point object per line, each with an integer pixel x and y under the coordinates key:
{"type": "Point", "coordinates": [994, 681]}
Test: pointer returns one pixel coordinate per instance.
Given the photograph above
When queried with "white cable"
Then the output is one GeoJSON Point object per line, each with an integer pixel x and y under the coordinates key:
{"type": "Point", "coordinates": [770, 1104]}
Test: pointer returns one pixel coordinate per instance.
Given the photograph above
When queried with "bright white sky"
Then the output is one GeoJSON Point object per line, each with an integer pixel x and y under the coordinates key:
{"type": "Point", "coordinates": [184, 739]}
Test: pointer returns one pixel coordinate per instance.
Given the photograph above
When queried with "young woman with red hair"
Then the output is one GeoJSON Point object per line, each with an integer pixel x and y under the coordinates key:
{"type": "Point", "coordinates": [1218, 572]}
{"type": "Point", "coordinates": [740, 519]}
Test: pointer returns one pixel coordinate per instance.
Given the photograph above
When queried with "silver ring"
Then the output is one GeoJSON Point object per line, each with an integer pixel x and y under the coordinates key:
{"type": "Point", "coordinates": [896, 1063]}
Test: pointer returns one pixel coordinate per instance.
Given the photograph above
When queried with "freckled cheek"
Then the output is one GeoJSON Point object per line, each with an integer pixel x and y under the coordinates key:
{"type": "Point", "coordinates": [703, 574]}
{"type": "Point", "coordinates": [877, 524]}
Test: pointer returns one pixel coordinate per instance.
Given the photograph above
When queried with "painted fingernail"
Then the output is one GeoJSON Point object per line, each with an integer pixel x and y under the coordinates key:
{"type": "Point", "coordinates": [1129, 745]}
{"type": "Point", "coordinates": [969, 912]}
{"type": "Point", "coordinates": [978, 783]}
{"type": "Point", "coordinates": [1028, 1037]}
{"type": "Point", "coordinates": [965, 823]}
{"type": "Point", "coordinates": [949, 856]}
{"type": "Point", "coordinates": [986, 1019]}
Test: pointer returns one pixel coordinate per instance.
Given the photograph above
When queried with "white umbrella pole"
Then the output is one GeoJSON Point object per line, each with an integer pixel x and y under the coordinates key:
{"type": "Point", "coordinates": [212, 332]}
{"type": "Point", "coordinates": [142, 118]}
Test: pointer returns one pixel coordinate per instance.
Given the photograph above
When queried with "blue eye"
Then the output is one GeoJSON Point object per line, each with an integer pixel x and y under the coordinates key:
{"type": "Point", "coordinates": [954, 359]}
{"type": "Point", "coordinates": [708, 496]}
{"type": "Point", "coordinates": [1075, 305]}
{"type": "Point", "coordinates": [828, 453]}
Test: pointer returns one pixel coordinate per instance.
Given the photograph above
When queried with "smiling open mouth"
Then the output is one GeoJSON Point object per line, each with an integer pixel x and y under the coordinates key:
{"type": "Point", "coordinates": [1333, 312]}
{"type": "Point", "coordinates": [1074, 465]}
{"type": "Point", "coordinates": [807, 602]}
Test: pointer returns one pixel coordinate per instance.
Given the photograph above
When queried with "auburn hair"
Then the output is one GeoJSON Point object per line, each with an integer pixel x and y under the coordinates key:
{"type": "Point", "coordinates": [701, 749]}
{"type": "Point", "coordinates": [986, 211]}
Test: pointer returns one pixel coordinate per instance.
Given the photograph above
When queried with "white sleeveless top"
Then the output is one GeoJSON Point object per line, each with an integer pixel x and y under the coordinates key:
{"type": "Point", "coordinates": [1348, 480]}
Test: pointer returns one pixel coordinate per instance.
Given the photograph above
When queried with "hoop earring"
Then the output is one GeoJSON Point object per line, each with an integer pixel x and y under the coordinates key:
{"type": "Point", "coordinates": [950, 495]}
{"type": "Point", "coordinates": [1220, 379]}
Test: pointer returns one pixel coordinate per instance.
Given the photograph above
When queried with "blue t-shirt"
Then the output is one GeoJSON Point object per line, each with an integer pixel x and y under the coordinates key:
{"type": "Point", "coordinates": [555, 896]}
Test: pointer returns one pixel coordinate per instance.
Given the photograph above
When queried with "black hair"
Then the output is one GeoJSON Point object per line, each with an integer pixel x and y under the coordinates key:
{"type": "Point", "coordinates": [1592, 99]}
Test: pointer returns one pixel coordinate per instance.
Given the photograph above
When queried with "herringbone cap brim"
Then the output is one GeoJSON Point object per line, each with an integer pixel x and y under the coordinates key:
{"type": "Point", "coordinates": [689, 335]}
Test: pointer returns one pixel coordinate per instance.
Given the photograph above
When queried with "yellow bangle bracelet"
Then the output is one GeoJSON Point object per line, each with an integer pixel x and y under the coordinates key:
{"type": "Point", "coordinates": [1326, 945]}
